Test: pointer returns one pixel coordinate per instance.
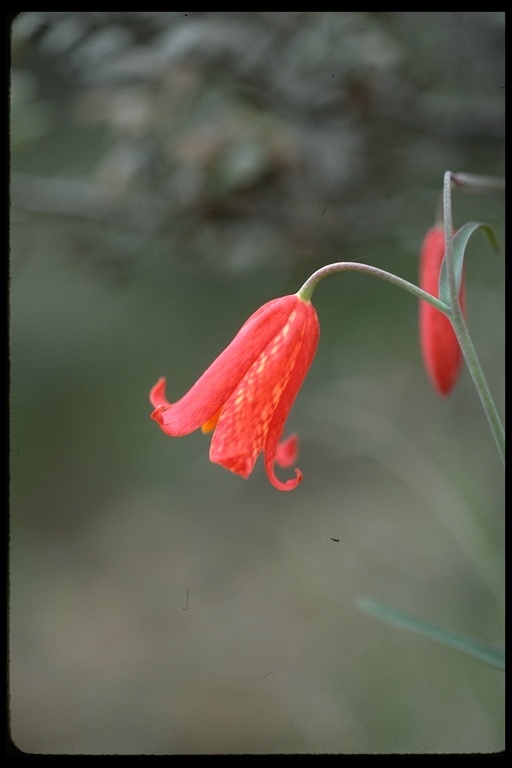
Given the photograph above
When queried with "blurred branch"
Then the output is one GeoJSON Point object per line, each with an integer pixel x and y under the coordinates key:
{"type": "Point", "coordinates": [85, 199]}
{"type": "Point", "coordinates": [447, 115]}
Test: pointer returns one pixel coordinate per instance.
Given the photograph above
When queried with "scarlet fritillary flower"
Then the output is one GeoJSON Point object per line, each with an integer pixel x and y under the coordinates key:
{"type": "Point", "coordinates": [440, 348]}
{"type": "Point", "coordinates": [247, 392]}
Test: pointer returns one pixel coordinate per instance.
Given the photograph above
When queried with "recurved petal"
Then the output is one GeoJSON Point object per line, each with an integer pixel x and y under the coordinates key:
{"type": "Point", "coordinates": [216, 385]}
{"type": "Point", "coordinates": [157, 396]}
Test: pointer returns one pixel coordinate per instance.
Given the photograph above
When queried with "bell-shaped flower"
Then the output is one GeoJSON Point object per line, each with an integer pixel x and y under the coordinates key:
{"type": "Point", "coordinates": [246, 394]}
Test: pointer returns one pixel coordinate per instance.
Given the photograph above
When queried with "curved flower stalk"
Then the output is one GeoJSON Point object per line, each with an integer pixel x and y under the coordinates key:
{"type": "Point", "coordinates": [441, 351]}
{"type": "Point", "coordinates": [247, 392]}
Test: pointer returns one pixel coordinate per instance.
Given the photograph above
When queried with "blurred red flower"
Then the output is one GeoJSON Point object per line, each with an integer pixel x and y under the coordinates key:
{"type": "Point", "coordinates": [440, 349]}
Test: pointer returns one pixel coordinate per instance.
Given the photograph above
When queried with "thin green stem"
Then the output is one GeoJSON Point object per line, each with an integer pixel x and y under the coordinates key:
{"type": "Point", "coordinates": [306, 292]}
{"type": "Point", "coordinates": [455, 312]}
{"type": "Point", "coordinates": [448, 239]}
{"type": "Point", "coordinates": [479, 380]}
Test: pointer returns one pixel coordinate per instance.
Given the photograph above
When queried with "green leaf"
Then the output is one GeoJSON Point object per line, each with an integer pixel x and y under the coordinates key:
{"type": "Point", "coordinates": [460, 241]}
{"type": "Point", "coordinates": [459, 642]}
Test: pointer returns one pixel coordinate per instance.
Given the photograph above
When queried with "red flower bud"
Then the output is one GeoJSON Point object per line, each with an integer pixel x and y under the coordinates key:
{"type": "Point", "coordinates": [247, 392]}
{"type": "Point", "coordinates": [440, 349]}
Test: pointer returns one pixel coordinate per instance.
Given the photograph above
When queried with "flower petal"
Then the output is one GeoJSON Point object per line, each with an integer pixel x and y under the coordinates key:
{"type": "Point", "coordinates": [440, 348]}
{"type": "Point", "coordinates": [244, 422]}
{"type": "Point", "coordinates": [218, 382]}
{"type": "Point", "coordinates": [298, 374]}
{"type": "Point", "coordinates": [287, 451]}
{"type": "Point", "coordinates": [157, 396]}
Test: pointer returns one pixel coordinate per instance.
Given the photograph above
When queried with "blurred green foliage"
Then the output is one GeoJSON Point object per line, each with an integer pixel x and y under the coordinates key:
{"type": "Point", "coordinates": [170, 172]}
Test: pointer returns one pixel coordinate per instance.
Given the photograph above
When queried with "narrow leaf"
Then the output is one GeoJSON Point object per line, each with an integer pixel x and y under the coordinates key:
{"type": "Point", "coordinates": [485, 652]}
{"type": "Point", "coordinates": [460, 241]}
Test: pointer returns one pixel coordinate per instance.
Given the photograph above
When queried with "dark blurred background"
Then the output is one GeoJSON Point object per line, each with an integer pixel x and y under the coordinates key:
{"type": "Point", "coordinates": [170, 172]}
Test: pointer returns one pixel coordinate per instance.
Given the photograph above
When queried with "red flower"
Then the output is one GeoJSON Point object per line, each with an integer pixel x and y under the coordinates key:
{"type": "Point", "coordinates": [439, 345]}
{"type": "Point", "coordinates": [247, 392]}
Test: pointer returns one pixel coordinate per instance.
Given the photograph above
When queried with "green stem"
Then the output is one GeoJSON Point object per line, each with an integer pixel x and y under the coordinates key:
{"type": "Point", "coordinates": [306, 292]}
{"type": "Point", "coordinates": [479, 380]}
{"type": "Point", "coordinates": [448, 239]}
{"type": "Point", "coordinates": [455, 313]}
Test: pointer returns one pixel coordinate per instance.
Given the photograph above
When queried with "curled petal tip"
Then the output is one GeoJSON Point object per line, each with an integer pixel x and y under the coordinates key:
{"type": "Point", "coordinates": [287, 485]}
{"type": "Point", "coordinates": [157, 413]}
{"type": "Point", "coordinates": [157, 393]}
{"type": "Point", "coordinates": [290, 484]}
